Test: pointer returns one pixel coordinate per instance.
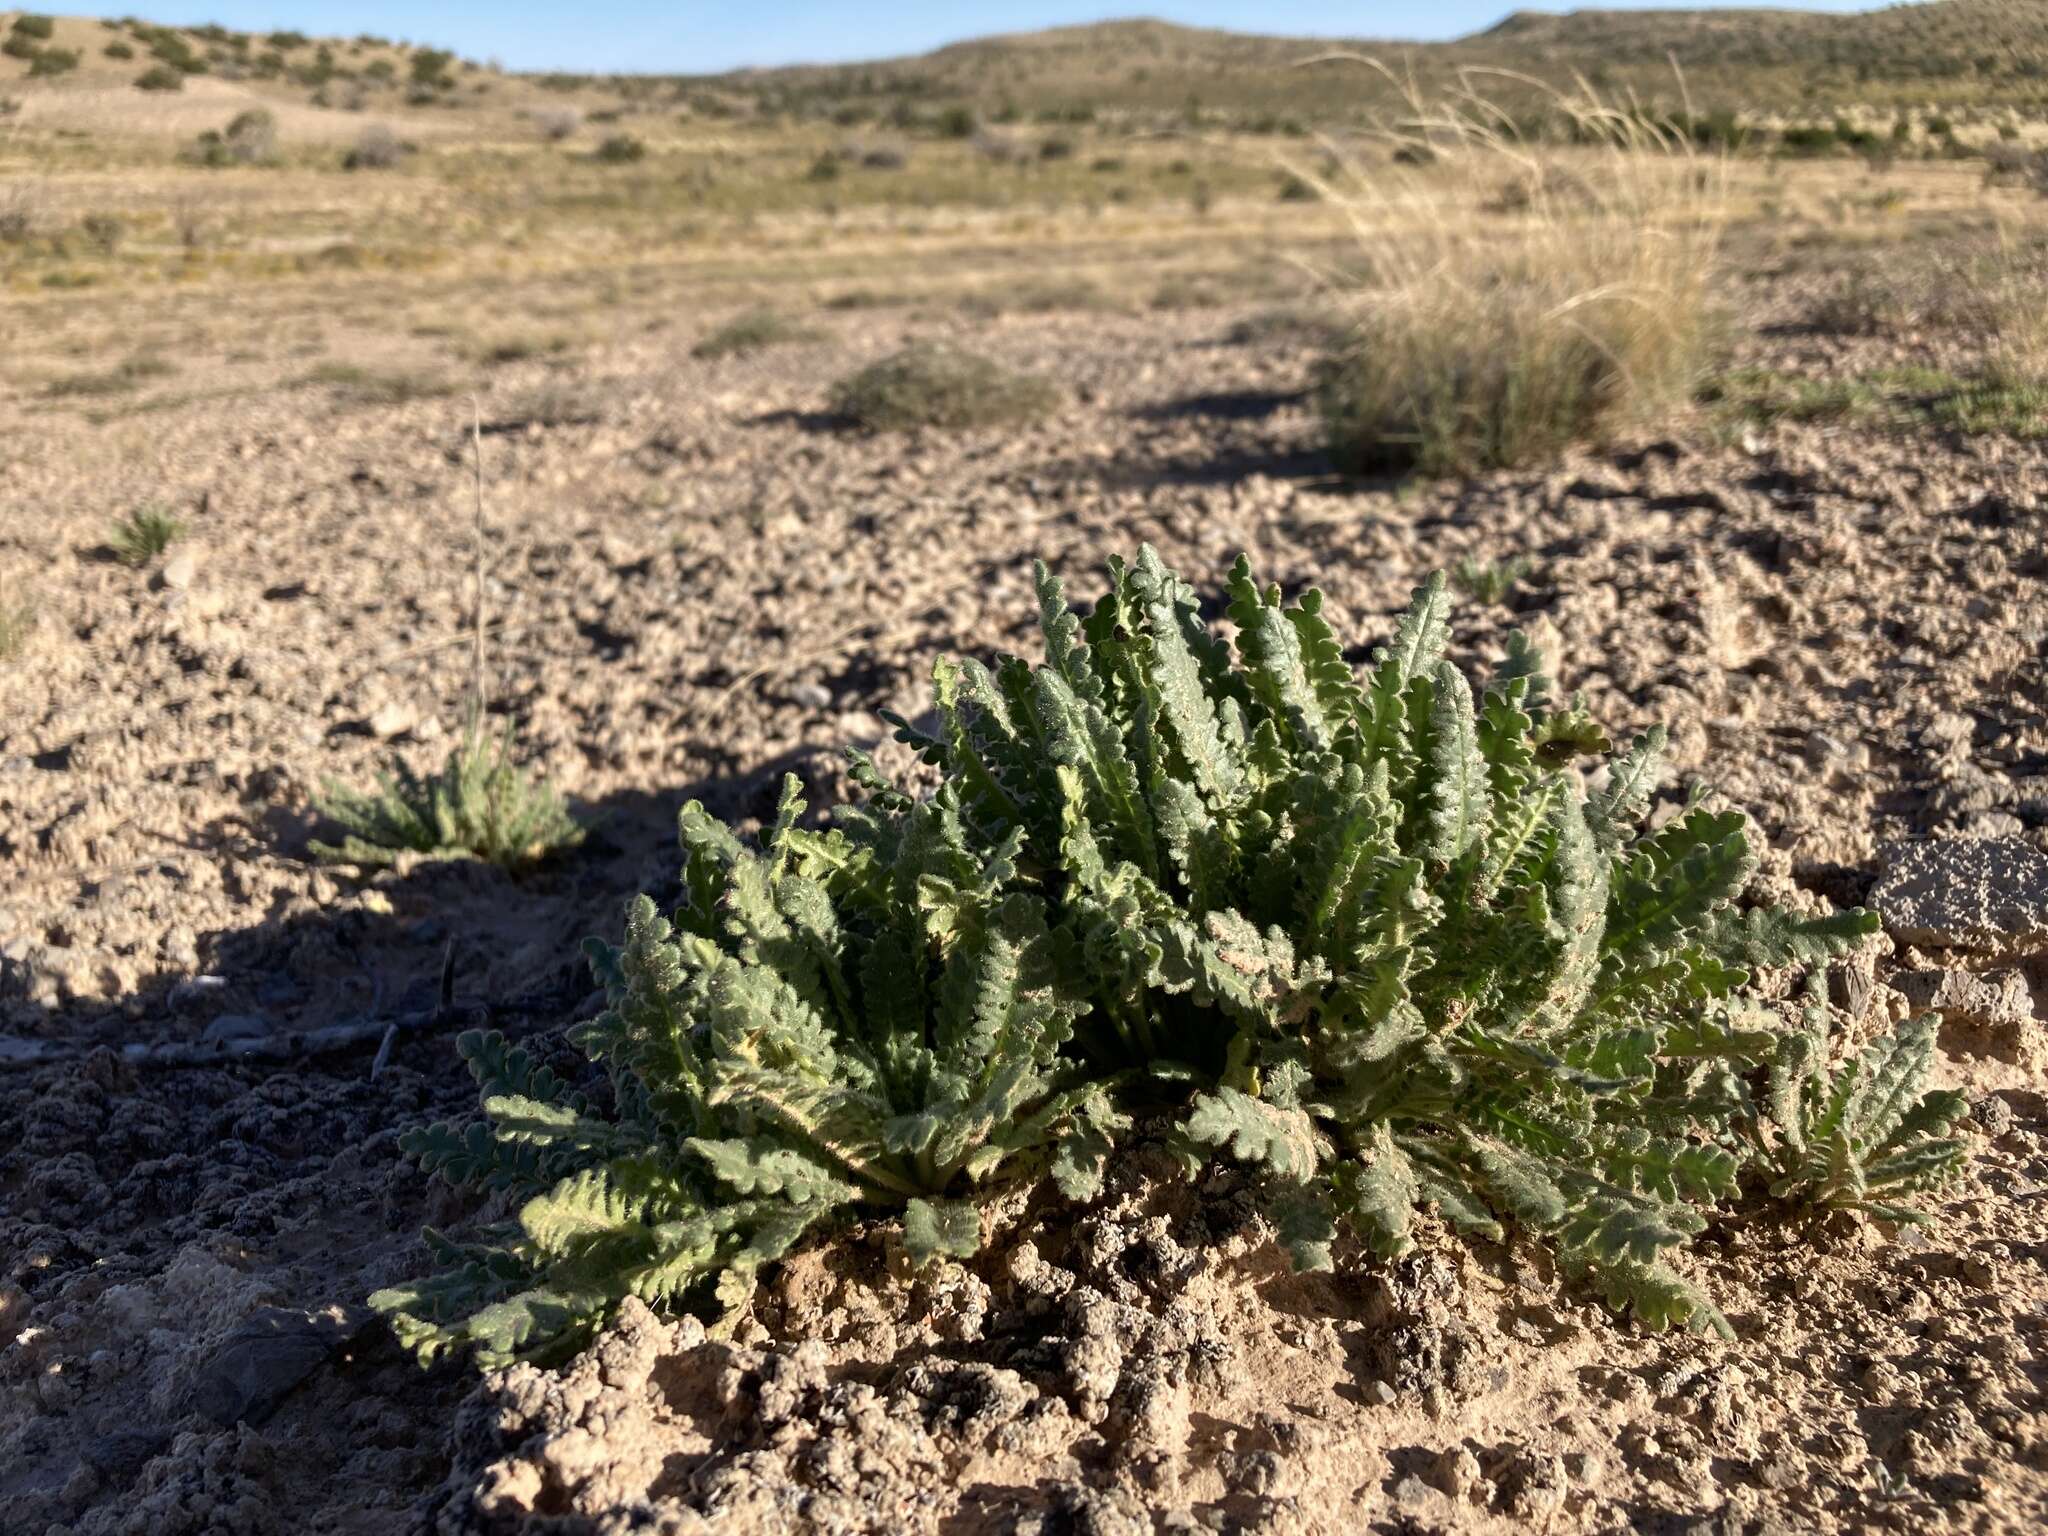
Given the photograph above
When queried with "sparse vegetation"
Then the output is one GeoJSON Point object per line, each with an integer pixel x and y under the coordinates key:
{"type": "Point", "coordinates": [143, 535]}
{"type": "Point", "coordinates": [481, 805]}
{"type": "Point", "coordinates": [1489, 581]}
{"type": "Point", "coordinates": [1445, 978]}
{"type": "Point", "coordinates": [160, 77]}
{"type": "Point", "coordinates": [127, 375]}
{"type": "Point", "coordinates": [358, 385]}
{"type": "Point", "coordinates": [932, 385]}
{"type": "Point", "coordinates": [749, 333]}
{"type": "Point", "coordinates": [621, 149]}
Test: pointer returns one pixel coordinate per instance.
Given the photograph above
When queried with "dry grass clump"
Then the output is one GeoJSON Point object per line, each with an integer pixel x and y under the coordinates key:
{"type": "Point", "coordinates": [930, 384]}
{"type": "Point", "coordinates": [749, 333]}
{"type": "Point", "coordinates": [376, 148]}
{"type": "Point", "coordinates": [125, 376]}
{"type": "Point", "coordinates": [354, 384]}
{"type": "Point", "coordinates": [1479, 343]}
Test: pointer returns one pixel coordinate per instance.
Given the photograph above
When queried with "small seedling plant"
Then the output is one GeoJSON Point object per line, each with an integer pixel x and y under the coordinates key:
{"type": "Point", "coordinates": [1395, 943]}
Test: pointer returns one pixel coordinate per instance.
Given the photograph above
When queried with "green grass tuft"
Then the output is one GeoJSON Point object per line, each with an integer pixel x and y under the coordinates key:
{"type": "Point", "coordinates": [143, 535]}
{"type": "Point", "coordinates": [481, 805]}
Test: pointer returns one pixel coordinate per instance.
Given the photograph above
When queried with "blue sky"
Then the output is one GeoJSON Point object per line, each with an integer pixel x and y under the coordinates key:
{"type": "Point", "coordinates": [697, 36]}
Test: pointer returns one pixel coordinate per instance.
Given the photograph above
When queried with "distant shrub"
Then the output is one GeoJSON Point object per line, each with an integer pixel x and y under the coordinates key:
{"type": "Point", "coordinates": [1297, 189]}
{"type": "Point", "coordinates": [104, 230]}
{"type": "Point", "coordinates": [1807, 139]}
{"type": "Point", "coordinates": [430, 67]}
{"type": "Point", "coordinates": [19, 47]}
{"type": "Point", "coordinates": [41, 28]}
{"type": "Point", "coordinates": [750, 333]}
{"type": "Point", "coordinates": [118, 50]}
{"type": "Point", "coordinates": [557, 123]}
{"type": "Point", "coordinates": [884, 157]}
{"type": "Point", "coordinates": [249, 139]}
{"type": "Point", "coordinates": [621, 149]}
{"type": "Point", "coordinates": [824, 168]}
{"type": "Point", "coordinates": [933, 385]}
{"type": "Point", "coordinates": [376, 148]}
{"type": "Point", "coordinates": [1057, 147]}
{"type": "Point", "coordinates": [286, 41]}
{"type": "Point", "coordinates": [956, 123]}
{"type": "Point", "coordinates": [53, 61]}
{"type": "Point", "coordinates": [160, 77]}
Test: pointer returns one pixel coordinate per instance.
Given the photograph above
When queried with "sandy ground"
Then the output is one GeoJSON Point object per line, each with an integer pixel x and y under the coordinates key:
{"type": "Point", "coordinates": [697, 583]}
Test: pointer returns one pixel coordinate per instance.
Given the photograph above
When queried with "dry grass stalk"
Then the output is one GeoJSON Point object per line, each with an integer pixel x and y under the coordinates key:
{"type": "Point", "coordinates": [1489, 329]}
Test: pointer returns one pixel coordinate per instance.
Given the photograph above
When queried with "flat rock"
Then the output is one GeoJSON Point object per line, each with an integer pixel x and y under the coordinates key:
{"type": "Point", "coordinates": [265, 1356]}
{"type": "Point", "coordinates": [1987, 999]}
{"type": "Point", "coordinates": [1977, 893]}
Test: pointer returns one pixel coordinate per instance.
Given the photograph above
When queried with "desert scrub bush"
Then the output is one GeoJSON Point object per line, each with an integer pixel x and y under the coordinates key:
{"type": "Point", "coordinates": [250, 138]}
{"type": "Point", "coordinates": [143, 535]}
{"type": "Point", "coordinates": [1385, 942]}
{"type": "Point", "coordinates": [1411, 955]}
{"type": "Point", "coordinates": [1471, 346]}
{"type": "Point", "coordinates": [37, 28]}
{"type": "Point", "coordinates": [481, 805]}
{"type": "Point", "coordinates": [555, 124]}
{"type": "Point", "coordinates": [52, 61]}
{"type": "Point", "coordinates": [749, 333]}
{"type": "Point", "coordinates": [160, 77]}
{"type": "Point", "coordinates": [934, 385]}
{"type": "Point", "coordinates": [621, 149]}
{"type": "Point", "coordinates": [816, 1026]}
{"type": "Point", "coordinates": [376, 148]}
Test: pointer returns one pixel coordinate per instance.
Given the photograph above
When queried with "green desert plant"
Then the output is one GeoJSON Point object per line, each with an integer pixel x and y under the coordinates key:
{"type": "Point", "coordinates": [143, 535]}
{"type": "Point", "coordinates": [160, 77]}
{"type": "Point", "coordinates": [621, 149]}
{"type": "Point", "coordinates": [933, 385]}
{"type": "Point", "coordinates": [1416, 959]}
{"type": "Point", "coordinates": [749, 333]}
{"type": "Point", "coordinates": [1489, 581]}
{"type": "Point", "coordinates": [1386, 940]}
{"type": "Point", "coordinates": [481, 805]}
{"type": "Point", "coordinates": [815, 1025]}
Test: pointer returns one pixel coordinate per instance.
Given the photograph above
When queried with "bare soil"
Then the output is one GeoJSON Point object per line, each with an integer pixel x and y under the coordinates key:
{"type": "Point", "coordinates": [699, 583]}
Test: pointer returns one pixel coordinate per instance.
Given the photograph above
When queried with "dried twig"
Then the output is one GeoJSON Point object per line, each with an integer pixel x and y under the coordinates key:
{"type": "Point", "coordinates": [286, 1045]}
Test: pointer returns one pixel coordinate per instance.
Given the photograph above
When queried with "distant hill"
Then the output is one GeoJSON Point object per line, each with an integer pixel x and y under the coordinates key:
{"type": "Point", "coordinates": [1958, 57]}
{"type": "Point", "coordinates": [1950, 53]}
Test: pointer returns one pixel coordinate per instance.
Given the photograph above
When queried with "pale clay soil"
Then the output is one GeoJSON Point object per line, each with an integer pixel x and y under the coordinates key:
{"type": "Point", "coordinates": [698, 584]}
